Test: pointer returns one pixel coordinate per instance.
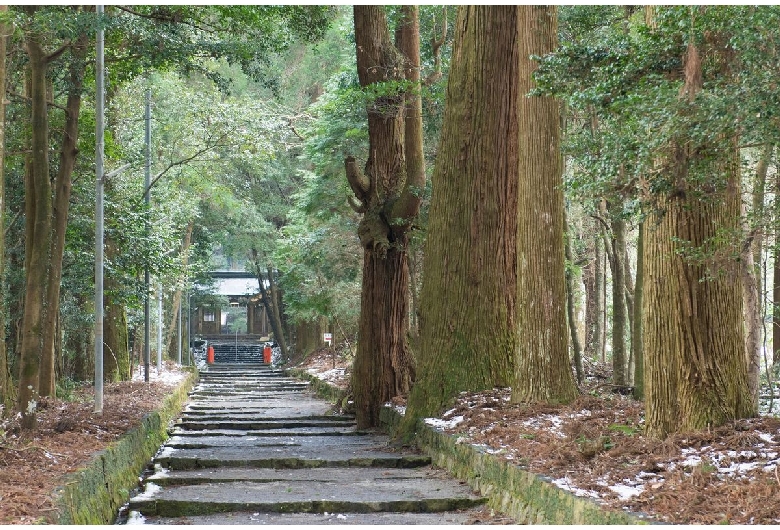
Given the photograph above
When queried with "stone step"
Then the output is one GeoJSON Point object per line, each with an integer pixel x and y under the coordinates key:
{"type": "Point", "coordinates": [347, 492]}
{"type": "Point", "coordinates": [297, 457]}
{"type": "Point", "coordinates": [254, 446]}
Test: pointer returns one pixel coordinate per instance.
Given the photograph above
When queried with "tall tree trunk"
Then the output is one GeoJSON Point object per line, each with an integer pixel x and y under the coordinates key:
{"type": "Point", "coordinates": [599, 324]}
{"type": "Point", "coordinates": [177, 295]}
{"type": "Point", "coordinates": [5, 375]}
{"type": "Point", "coordinates": [637, 331]}
{"type": "Point", "coordinates": [116, 352]}
{"type": "Point", "coordinates": [267, 296]}
{"type": "Point", "coordinates": [38, 234]}
{"type": "Point", "coordinates": [619, 316]}
{"type": "Point", "coordinates": [542, 369]}
{"type": "Point", "coordinates": [388, 195]}
{"type": "Point", "coordinates": [468, 325]}
{"type": "Point", "coordinates": [695, 370]}
{"type": "Point", "coordinates": [570, 310]}
{"type": "Point", "coordinates": [276, 315]}
{"type": "Point", "coordinates": [589, 283]}
{"type": "Point", "coordinates": [62, 189]}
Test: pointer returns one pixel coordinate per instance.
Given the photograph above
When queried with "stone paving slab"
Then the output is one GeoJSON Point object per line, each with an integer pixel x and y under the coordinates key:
{"type": "Point", "coordinates": [356, 494]}
{"type": "Point", "coordinates": [248, 443]}
{"type": "Point", "coordinates": [392, 518]}
{"type": "Point", "coordinates": [330, 455]}
{"type": "Point", "coordinates": [164, 477]}
{"type": "Point", "coordinates": [299, 431]}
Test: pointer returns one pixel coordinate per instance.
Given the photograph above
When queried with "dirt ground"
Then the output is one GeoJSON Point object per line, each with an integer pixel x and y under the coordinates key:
{"type": "Point", "coordinates": [68, 434]}
{"type": "Point", "coordinates": [593, 447]}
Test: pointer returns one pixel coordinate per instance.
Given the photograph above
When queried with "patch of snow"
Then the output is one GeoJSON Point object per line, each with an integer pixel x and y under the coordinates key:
{"type": "Point", "coordinates": [440, 424]}
{"type": "Point", "coordinates": [626, 491]}
{"type": "Point", "coordinates": [149, 492]}
{"type": "Point", "coordinates": [166, 376]}
{"type": "Point", "coordinates": [135, 518]}
{"type": "Point", "coordinates": [166, 451]}
{"type": "Point", "coordinates": [564, 484]}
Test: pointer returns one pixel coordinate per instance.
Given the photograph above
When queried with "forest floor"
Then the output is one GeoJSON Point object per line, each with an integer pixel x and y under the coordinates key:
{"type": "Point", "coordinates": [69, 433]}
{"type": "Point", "coordinates": [593, 447]}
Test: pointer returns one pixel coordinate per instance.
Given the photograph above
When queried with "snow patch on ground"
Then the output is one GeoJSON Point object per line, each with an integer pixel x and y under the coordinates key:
{"type": "Point", "coordinates": [440, 424]}
{"type": "Point", "coordinates": [170, 374]}
{"type": "Point", "coordinates": [135, 518]}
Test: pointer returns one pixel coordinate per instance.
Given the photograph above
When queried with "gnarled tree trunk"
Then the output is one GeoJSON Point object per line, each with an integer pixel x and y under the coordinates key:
{"type": "Point", "coordinates": [388, 194]}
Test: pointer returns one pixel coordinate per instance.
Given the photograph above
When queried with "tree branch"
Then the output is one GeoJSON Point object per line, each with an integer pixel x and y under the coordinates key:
{"type": "Point", "coordinates": [355, 204]}
{"type": "Point", "coordinates": [182, 162]}
{"type": "Point", "coordinates": [357, 180]}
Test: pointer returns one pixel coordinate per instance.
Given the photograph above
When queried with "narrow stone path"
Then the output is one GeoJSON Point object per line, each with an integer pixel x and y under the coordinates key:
{"type": "Point", "coordinates": [255, 447]}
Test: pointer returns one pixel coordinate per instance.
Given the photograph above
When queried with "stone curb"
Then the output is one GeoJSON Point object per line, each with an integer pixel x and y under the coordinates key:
{"type": "Point", "coordinates": [94, 493]}
{"type": "Point", "coordinates": [526, 497]}
{"type": "Point", "coordinates": [321, 388]}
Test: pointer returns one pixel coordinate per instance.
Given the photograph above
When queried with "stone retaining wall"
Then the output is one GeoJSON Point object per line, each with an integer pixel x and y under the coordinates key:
{"type": "Point", "coordinates": [94, 493]}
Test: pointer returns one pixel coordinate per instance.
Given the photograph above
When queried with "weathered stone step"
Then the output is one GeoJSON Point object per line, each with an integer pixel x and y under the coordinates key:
{"type": "Point", "coordinates": [461, 517]}
{"type": "Point", "coordinates": [296, 457]}
{"type": "Point", "coordinates": [260, 424]}
{"type": "Point", "coordinates": [164, 477]}
{"type": "Point", "coordinates": [302, 431]}
{"type": "Point", "coordinates": [351, 494]}
{"type": "Point", "coordinates": [315, 441]}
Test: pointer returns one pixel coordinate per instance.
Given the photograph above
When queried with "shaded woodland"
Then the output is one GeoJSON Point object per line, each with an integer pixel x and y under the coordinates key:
{"type": "Point", "coordinates": [466, 197]}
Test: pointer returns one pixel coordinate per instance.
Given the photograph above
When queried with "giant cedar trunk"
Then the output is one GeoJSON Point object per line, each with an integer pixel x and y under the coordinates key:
{"type": "Point", "coordinates": [468, 325]}
{"type": "Point", "coordinates": [695, 369]}
{"type": "Point", "coordinates": [38, 234]}
{"type": "Point", "coordinates": [388, 195]}
{"type": "Point", "coordinates": [695, 374]}
{"type": "Point", "coordinates": [542, 370]}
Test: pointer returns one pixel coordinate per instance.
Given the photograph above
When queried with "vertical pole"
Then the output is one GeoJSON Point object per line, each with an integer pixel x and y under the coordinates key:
{"type": "Point", "coordinates": [159, 327]}
{"type": "Point", "coordinates": [147, 185]}
{"type": "Point", "coordinates": [99, 150]}
{"type": "Point", "coordinates": [189, 327]}
{"type": "Point", "coordinates": [178, 333]}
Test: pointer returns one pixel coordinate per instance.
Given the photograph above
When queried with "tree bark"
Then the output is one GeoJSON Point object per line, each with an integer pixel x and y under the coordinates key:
{"type": "Point", "coordinates": [62, 188]}
{"type": "Point", "coordinates": [637, 330]}
{"type": "Point", "coordinates": [38, 207]}
{"type": "Point", "coordinates": [5, 376]}
{"type": "Point", "coordinates": [570, 310]}
{"type": "Point", "coordinates": [388, 194]}
{"type": "Point", "coordinates": [542, 370]}
{"type": "Point", "coordinates": [116, 352]}
{"type": "Point", "coordinates": [467, 305]}
{"type": "Point", "coordinates": [619, 315]}
{"type": "Point", "coordinates": [177, 295]}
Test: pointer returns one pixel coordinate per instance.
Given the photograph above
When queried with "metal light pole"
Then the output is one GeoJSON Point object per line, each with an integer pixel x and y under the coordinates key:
{"type": "Point", "coordinates": [147, 185]}
{"type": "Point", "coordinates": [99, 231]}
{"type": "Point", "coordinates": [178, 333]}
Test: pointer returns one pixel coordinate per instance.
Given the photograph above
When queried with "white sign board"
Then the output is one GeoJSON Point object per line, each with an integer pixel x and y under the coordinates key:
{"type": "Point", "coordinates": [328, 338]}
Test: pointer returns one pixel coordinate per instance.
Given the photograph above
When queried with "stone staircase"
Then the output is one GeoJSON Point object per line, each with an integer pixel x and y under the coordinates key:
{"type": "Point", "coordinates": [256, 447]}
{"type": "Point", "coordinates": [238, 352]}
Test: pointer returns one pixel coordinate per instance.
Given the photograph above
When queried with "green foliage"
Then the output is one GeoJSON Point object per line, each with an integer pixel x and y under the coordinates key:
{"type": "Point", "coordinates": [622, 81]}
